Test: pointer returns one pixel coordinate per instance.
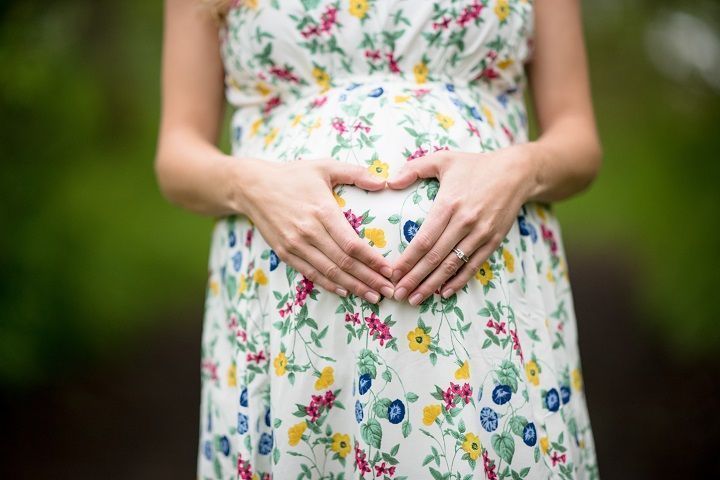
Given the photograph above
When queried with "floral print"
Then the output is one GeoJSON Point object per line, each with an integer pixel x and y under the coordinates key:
{"type": "Point", "coordinates": [298, 382]}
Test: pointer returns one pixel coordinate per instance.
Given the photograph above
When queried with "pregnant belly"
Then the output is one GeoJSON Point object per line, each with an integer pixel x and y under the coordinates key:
{"type": "Point", "coordinates": [381, 125]}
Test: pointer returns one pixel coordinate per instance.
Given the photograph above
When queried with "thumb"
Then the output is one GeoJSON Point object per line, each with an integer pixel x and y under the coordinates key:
{"type": "Point", "coordinates": [428, 166]}
{"type": "Point", "coordinates": [344, 173]}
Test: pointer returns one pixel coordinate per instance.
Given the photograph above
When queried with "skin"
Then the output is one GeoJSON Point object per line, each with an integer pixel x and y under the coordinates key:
{"type": "Point", "coordinates": [481, 193]}
{"type": "Point", "coordinates": [479, 196]}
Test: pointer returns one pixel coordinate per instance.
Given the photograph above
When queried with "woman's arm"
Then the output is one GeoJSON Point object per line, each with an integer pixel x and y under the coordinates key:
{"type": "Point", "coordinates": [191, 171]}
{"type": "Point", "coordinates": [567, 156]}
{"type": "Point", "coordinates": [481, 194]}
{"type": "Point", "coordinates": [194, 174]}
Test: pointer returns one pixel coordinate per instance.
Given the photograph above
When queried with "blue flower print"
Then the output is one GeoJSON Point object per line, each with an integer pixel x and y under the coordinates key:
{"type": "Point", "coordinates": [343, 97]}
{"type": "Point", "coordinates": [232, 238]}
{"type": "Point", "coordinates": [237, 133]}
{"type": "Point", "coordinates": [352, 86]}
{"type": "Point", "coordinates": [237, 261]}
{"type": "Point", "coordinates": [450, 87]}
{"type": "Point", "coordinates": [224, 445]}
{"type": "Point", "coordinates": [242, 425]}
{"type": "Point", "coordinates": [529, 434]}
{"type": "Point", "coordinates": [552, 400]}
{"type": "Point", "coordinates": [244, 397]}
{"type": "Point", "coordinates": [265, 444]}
{"type": "Point", "coordinates": [274, 260]}
{"type": "Point", "coordinates": [565, 394]}
{"type": "Point", "coordinates": [208, 449]}
{"type": "Point", "coordinates": [267, 417]}
{"type": "Point", "coordinates": [396, 412]}
{"type": "Point", "coordinates": [475, 113]}
{"type": "Point", "coordinates": [501, 394]}
{"type": "Point", "coordinates": [364, 383]}
{"type": "Point", "coordinates": [410, 229]}
{"type": "Point", "coordinates": [458, 103]}
{"type": "Point", "coordinates": [527, 229]}
{"type": "Point", "coordinates": [376, 92]}
{"type": "Point", "coordinates": [488, 419]}
{"type": "Point", "coordinates": [358, 411]}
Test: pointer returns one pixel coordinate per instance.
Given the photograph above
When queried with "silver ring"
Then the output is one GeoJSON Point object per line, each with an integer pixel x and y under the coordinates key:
{"type": "Point", "coordinates": [461, 255]}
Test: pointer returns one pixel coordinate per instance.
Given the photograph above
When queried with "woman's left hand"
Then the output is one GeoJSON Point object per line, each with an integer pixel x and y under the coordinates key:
{"type": "Point", "coordinates": [478, 201]}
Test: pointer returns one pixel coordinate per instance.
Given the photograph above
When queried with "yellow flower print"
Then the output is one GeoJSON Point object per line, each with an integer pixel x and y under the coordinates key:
{"type": "Point", "coordinates": [340, 444]}
{"type": "Point", "coordinates": [262, 88]}
{"type": "Point", "coordinates": [381, 169]}
{"type": "Point", "coordinates": [420, 70]}
{"type": "Point", "coordinates": [430, 413]}
{"type": "Point", "coordinates": [577, 380]}
{"type": "Point", "coordinates": [256, 476]}
{"type": "Point", "coordinates": [358, 8]}
{"type": "Point", "coordinates": [321, 78]}
{"type": "Point", "coordinates": [540, 211]}
{"type": "Point", "coordinates": [243, 284]}
{"type": "Point", "coordinates": [270, 137]}
{"type": "Point", "coordinates": [532, 372]}
{"type": "Point", "coordinates": [296, 119]}
{"type": "Point", "coordinates": [544, 444]}
{"type": "Point", "coordinates": [503, 64]}
{"type": "Point", "coordinates": [280, 363]}
{"type": "Point", "coordinates": [315, 125]}
{"type": "Point", "coordinates": [489, 115]}
{"type": "Point", "coordinates": [463, 373]}
{"type": "Point", "coordinates": [255, 127]}
{"type": "Point", "coordinates": [445, 121]}
{"type": "Point", "coordinates": [327, 378]}
{"type": "Point", "coordinates": [376, 236]}
{"type": "Point", "coordinates": [484, 274]}
{"type": "Point", "coordinates": [340, 200]}
{"type": "Point", "coordinates": [259, 277]}
{"type": "Point", "coordinates": [295, 433]}
{"type": "Point", "coordinates": [215, 287]}
{"type": "Point", "coordinates": [509, 260]}
{"type": "Point", "coordinates": [251, 4]}
{"type": "Point", "coordinates": [550, 276]}
{"type": "Point", "coordinates": [401, 98]}
{"type": "Point", "coordinates": [419, 340]}
{"type": "Point", "coordinates": [232, 375]}
{"type": "Point", "coordinates": [502, 9]}
{"type": "Point", "coordinates": [472, 445]}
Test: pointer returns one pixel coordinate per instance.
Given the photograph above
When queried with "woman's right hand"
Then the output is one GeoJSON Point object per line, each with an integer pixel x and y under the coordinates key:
{"type": "Point", "coordinates": [292, 205]}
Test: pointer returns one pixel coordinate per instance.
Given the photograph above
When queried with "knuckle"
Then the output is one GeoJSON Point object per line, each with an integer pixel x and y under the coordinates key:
{"type": "Point", "coordinates": [304, 231]}
{"type": "Point", "coordinates": [346, 263]}
{"type": "Point", "coordinates": [449, 268]}
{"type": "Point", "coordinates": [433, 258]}
{"type": "Point", "coordinates": [424, 242]}
{"type": "Point", "coordinates": [467, 219]}
{"type": "Point", "coordinates": [332, 272]}
{"type": "Point", "coordinates": [311, 274]}
{"type": "Point", "coordinates": [351, 246]}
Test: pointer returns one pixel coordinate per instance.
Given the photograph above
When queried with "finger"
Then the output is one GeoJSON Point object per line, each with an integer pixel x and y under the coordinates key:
{"type": "Point", "coordinates": [326, 244]}
{"type": "Point", "coordinates": [425, 252]}
{"type": "Point", "coordinates": [344, 173]}
{"type": "Point", "coordinates": [463, 276]}
{"type": "Point", "coordinates": [320, 262]}
{"type": "Point", "coordinates": [347, 239]}
{"type": "Point", "coordinates": [428, 166]}
{"type": "Point", "coordinates": [446, 270]}
{"type": "Point", "coordinates": [313, 275]}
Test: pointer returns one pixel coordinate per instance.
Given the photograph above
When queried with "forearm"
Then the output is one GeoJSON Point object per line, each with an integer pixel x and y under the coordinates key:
{"type": "Point", "coordinates": [564, 160]}
{"type": "Point", "coordinates": [194, 174]}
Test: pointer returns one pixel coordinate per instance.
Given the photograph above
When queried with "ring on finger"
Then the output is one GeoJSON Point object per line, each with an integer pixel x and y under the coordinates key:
{"type": "Point", "coordinates": [461, 255]}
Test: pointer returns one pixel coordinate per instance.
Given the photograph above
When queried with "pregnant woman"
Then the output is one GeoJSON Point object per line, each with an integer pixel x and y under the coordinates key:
{"type": "Point", "coordinates": [388, 292]}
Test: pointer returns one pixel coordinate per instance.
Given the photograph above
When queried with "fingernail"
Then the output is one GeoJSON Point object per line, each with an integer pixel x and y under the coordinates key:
{"type": "Point", "coordinates": [387, 291]}
{"type": "Point", "coordinates": [415, 299]}
{"type": "Point", "coordinates": [386, 271]}
{"type": "Point", "coordinates": [341, 291]}
{"type": "Point", "coordinates": [372, 297]}
{"type": "Point", "coordinates": [400, 293]}
{"type": "Point", "coordinates": [396, 275]}
{"type": "Point", "coordinates": [447, 292]}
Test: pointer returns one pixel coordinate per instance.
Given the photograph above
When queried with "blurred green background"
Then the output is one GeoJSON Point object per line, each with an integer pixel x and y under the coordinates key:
{"type": "Point", "coordinates": [92, 257]}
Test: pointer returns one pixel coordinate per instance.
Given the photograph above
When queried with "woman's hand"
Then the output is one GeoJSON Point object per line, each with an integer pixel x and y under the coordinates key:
{"type": "Point", "coordinates": [292, 205]}
{"type": "Point", "coordinates": [479, 197]}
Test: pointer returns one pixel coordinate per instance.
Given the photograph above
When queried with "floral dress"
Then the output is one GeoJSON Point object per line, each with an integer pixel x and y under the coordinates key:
{"type": "Point", "coordinates": [298, 382]}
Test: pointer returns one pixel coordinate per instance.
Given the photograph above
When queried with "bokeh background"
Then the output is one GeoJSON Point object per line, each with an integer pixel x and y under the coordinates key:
{"type": "Point", "coordinates": [102, 281]}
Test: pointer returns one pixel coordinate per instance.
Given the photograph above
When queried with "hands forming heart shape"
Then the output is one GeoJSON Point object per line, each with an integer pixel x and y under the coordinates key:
{"type": "Point", "coordinates": [479, 197]}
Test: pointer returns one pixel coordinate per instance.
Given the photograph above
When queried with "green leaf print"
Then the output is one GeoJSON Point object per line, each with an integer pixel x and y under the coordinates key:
{"type": "Point", "coordinates": [517, 424]}
{"type": "Point", "coordinates": [504, 446]}
{"type": "Point", "coordinates": [381, 407]}
{"type": "Point", "coordinates": [372, 433]}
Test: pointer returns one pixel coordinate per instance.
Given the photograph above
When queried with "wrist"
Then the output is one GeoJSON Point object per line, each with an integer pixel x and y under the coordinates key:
{"type": "Point", "coordinates": [241, 182]}
{"type": "Point", "coordinates": [532, 157]}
